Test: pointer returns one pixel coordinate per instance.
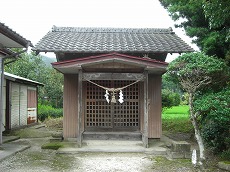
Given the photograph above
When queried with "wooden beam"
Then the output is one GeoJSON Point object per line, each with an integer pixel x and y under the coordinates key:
{"type": "Point", "coordinates": [113, 76]}
{"type": "Point", "coordinates": [79, 114]}
{"type": "Point", "coordinates": [146, 107]}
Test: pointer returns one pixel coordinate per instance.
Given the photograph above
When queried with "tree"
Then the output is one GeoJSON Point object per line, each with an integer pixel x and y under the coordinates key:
{"type": "Point", "coordinates": [197, 73]}
{"type": "Point", "coordinates": [207, 21]}
{"type": "Point", "coordinates": [32, 67]}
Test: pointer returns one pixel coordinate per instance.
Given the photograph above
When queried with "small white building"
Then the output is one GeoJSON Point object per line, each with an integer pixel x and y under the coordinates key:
{"type": "Point", "coordinates": [19, 101]}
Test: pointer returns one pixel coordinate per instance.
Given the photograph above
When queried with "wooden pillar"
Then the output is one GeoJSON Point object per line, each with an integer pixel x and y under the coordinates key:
{"type": "Point", "coordinates": [145, 122]}
{"type": "Point", "coordinates": [79, 114]}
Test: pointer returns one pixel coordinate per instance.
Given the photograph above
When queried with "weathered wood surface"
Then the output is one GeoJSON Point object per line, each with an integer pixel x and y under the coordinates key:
{"type": "Point", "coordinates": [113, 76]}
{"type": "Point", "coordinates": [79, 113]}
{"type": "Point", "coordinates": [154, 116]}
{"type": "Point", "coordinates": [145, 122]}
{"type": "Point", "coordinates": [70, 106]}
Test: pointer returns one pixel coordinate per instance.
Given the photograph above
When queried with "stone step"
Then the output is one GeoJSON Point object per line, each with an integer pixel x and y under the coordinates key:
{"type": "Point", "coordinates": [112, 146]}
{"type": "Point", "coordinates": [118, 143]}
{"type": "Point", "coordinates": [134, 136]}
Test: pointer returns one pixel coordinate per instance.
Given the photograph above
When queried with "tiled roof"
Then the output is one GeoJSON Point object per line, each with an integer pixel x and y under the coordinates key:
{"type": "Point", "coordinates": [106, 40]}
{"type": "Point", "coordinates": [5, 30]}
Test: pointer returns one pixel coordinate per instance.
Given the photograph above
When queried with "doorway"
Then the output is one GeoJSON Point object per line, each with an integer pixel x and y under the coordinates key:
{"type": "Point", "coordinates": [103, 116]}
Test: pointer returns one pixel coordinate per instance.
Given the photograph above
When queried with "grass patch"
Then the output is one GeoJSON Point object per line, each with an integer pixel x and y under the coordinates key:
{"type": "Point", "coordinates": [57, 162]}
{"type": "Point", "coordinates": [56, 145]}
{"type": "Point", "coordinates": [183, 109]}
{"type": "Point", "coordinates": [176, 119]}
{"type": "Point", "coordinates": [226, 162]}
{"type": "Point", "coordinates": [163, 163]}
{"type": "Point", "coordinates": [31, 133]}
{"type": "Point", "coordinates": [53, 145]}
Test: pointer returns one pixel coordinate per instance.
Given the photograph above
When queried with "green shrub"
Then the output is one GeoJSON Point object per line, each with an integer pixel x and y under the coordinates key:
{"type": "Point", "coordinates": [215, 119]}
{"type": "Point", "coordinates": [216, 136]}
{"type": "Point", "coordinates": [46, 111]}
{"type": "Point", "coordinates": [170, 98]}
{"type": "Point", "coordinates": [225, 155]}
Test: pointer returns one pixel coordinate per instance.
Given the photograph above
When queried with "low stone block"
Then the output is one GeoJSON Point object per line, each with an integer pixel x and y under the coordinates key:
{"type": "Point", "coordinates": [180, 146]}
{"type": "Point", "coordinates": [188, 155]}
{"type": "Point", "coordinates": [224, 166]}
{"type": "Point", "coordinates": [55, 140]}
{"type": "Point", "coordinates": [175, 155]}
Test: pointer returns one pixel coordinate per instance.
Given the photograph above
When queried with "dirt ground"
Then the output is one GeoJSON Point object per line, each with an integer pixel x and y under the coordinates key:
{"type": "Point", "coordinates": [36, 159]}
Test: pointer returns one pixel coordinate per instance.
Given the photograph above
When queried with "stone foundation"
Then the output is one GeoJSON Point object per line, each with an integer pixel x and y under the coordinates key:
{"type": "Point", "coordinates": [179, 150]}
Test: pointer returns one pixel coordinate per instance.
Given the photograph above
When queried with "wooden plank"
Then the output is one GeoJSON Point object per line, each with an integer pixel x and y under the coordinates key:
{"type": "Point", "coordinates": [113, 76]}
{"type": "Point", "coordinates": [155, 126]}
{"type": "Point", "coordinates": [79, 114]}
{"type": "Point", "coordinates": [70, 106]}
{"type": "Point", "coordinates": [32, 105]}
{"type": "Point", "coordinates": [145, 122]}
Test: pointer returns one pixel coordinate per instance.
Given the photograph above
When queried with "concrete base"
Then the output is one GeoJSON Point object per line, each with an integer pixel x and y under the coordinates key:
{"type": "Point", "coordinates": [9, 149]}
{"type": "Point", "coordinates": [179, 150]}
{"type": "Point", "coordinates": [112, 136]}
{"type": "Point", "coordinates": [114, 146]}
{"type": "Point", "coordinates": [224, 166]}
{"type": "Point", "coordinates": [7, 139]}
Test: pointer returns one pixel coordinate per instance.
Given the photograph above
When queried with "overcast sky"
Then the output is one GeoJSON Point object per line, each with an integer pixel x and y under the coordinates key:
{"type": "Point", "coordinates": [34, 18]}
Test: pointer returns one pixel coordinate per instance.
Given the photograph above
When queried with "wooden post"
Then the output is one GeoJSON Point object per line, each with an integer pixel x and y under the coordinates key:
{"type": "Point", "coordinates": [79, 114]}
{"type": "Point", "coordinates": [146, 104]}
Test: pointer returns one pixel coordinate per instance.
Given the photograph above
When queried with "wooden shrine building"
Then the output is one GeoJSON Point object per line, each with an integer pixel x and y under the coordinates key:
{"type": "Point", "coordinates": [112, 78]}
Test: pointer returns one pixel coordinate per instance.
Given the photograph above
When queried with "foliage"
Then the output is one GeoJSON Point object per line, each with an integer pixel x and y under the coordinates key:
{"type": "Point", "coordinates": [176, 120]}
{"type": "Point", "coordinates": [170, 98]}
{"type": "Point", "coordinates": [184, 99]}
{"type": "Point", "coordinates": [171, 92]}
{"type": "Point", "coordinates": [215, 119]}
{"type": "Point", "coordinates": [205, 21]}
{"type": "Point", "coordinates": [46, 111]}
{"type": "Point", "coordinates": [225, 155]}
{"type": "Point", "coordinates": [32, 67]}
{"type": "Point", "coordinates": [198, 73]}
{"type": "Point", "coordinates": [217, 12]}
{"type": "Point", "coordinates": [168, 84]}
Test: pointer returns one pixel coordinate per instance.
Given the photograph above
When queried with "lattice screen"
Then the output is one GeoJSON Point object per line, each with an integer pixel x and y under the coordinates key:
{"type": "Point", "coordinates": [100, 114]}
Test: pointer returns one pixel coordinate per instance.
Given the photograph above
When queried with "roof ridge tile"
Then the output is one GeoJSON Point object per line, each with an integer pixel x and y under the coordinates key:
{"type": "Point", "coordinates": [112, 30]}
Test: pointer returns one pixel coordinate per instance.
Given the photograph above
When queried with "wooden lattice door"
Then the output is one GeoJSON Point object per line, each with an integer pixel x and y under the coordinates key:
{"type": "Point", "coordinates": [103, 116]}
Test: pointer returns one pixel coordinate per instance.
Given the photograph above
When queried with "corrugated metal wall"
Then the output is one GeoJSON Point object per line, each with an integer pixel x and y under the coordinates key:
{"type": "Point", "coordinates": [15, 103]}
{"type": "Point", "coordinates": [154, 93]}
{"type": "Point", "coordinates": [23, 105]}
{"type": "Point", "coordinates": [21, 99]}
{"type": "Point", "coordinates": [70, 106]}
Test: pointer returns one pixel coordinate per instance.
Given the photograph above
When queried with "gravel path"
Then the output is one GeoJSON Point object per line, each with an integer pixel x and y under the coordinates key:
{"type": "Point", "coordinates": [113, 162]}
